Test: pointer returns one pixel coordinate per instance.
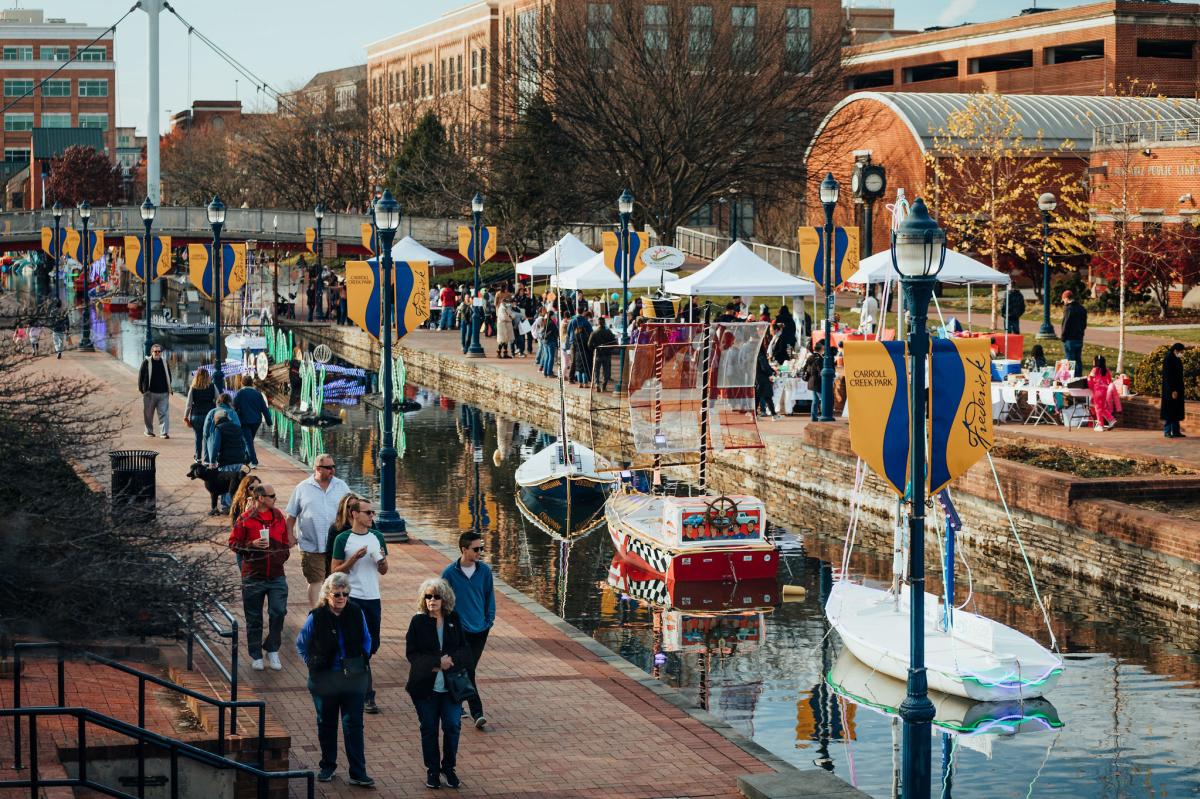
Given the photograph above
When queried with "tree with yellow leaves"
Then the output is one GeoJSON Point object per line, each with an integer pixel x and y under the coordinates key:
{"type": "Point", "coordinates": [984, 178]}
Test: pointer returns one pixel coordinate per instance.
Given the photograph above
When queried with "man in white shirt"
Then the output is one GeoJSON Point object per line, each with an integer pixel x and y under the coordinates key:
{"type": "Point", "coordinates": [313, 507]}
{"type": "Point", "coordinates": [361, 554]}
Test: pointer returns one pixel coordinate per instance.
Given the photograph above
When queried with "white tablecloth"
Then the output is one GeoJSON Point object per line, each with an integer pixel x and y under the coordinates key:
{"type": "Point", "coordinates": [789, 391]}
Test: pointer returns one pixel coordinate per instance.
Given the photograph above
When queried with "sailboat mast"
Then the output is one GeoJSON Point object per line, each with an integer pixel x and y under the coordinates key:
{"type": "Point", "coordinates": [705, 367]}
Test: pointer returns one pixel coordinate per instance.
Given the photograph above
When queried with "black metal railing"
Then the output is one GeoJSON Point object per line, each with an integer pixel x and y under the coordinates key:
{"type": "Point", "coordinates": [176, 749]}
{"type": "Point", "coordinates": [222, 705]}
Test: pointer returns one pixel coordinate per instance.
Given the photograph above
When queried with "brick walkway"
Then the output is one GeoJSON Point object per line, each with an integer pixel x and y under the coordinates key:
{"type": "Point", "coordinates": [567, 718]}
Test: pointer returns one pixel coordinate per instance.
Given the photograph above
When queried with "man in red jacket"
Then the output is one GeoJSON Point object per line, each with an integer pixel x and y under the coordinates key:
{"type": "Point", "coordinates": [261, 538]}
{"type": "Point", "coordinates": [449, 300]}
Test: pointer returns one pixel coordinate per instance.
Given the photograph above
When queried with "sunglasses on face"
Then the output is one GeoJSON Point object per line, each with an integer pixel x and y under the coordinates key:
{"type": "Point", "coordinates": [339, 594]}
{"type": "Point", "coordinates": [475, 549]}
{"type": "Point", "coordinates": [267, 496]}
{"type": "Point", "coordinates": [328, 466]}
{"type": "Point", "coordinates": [367, 512]}
{"type": "Point", "coordinates": [433, 596]}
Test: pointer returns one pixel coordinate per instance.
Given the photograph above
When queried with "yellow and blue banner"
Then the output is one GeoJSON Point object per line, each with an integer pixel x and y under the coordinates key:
{"type": "Point", "coordinates": [614, 253]}
{"type": "Point", "coordinates": [310, 236]}
{"type": "Point", "coordinates": [135, 263]}
{"type": "Point", "coordinates": [73, 245]}
{"type": "Point", "coordinates": [68, 241]}
{"type": "Point", "coordinates": [811, 241]}
{"type": "Point", "coordinates": [877, 393]}
{"type": "Point", "coordinates": [466, 242]}
{"type": "Point", "coordinates": [364, 299]}
{"type": "Point", "coordinates": [367, 231]}
{"type": "Point", "coordinates": [960, 408]}
{"type": "Point", "coordinates": [233, 263]}
{"type": "Point", "coordinates": [411, 279]}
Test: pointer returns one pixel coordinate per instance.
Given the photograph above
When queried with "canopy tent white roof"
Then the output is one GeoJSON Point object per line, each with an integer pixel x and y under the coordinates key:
{"type": "Point", "coordinates": [594, 274]}
{"type": "Point", "coordinates": [739, 272]}
{"type": "Point", "coordinates": [570, 252]}
{"type": "Point", "coordinates": [409, 249]}
{"type": "Point", "coordinates": [958, 268]}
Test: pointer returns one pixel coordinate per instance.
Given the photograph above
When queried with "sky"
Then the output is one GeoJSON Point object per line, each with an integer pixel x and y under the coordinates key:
{"type": "Point", "coordinates": [286, 42]}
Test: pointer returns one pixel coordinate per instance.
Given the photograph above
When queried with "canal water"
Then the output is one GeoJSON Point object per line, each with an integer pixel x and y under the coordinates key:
{"type": "Point", "coordinates": [1124, 721]}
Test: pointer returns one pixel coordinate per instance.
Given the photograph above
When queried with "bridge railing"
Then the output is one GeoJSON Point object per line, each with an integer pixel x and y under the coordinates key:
{"type": "Point", "coordinates": [707, 246]}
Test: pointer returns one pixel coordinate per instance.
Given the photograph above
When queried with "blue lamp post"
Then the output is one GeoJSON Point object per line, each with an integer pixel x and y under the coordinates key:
{"type": "Point", "coordinates": [149, 265]}
{"type": "Point", "coordinates": [319, 294]}
{"type": "Point", "coordinates": [625, 208]}
{"type": "Point", "coordinates": [57, 212]}
{"type": "Point", "coordinates": [829, 198]}
{"type": "Point", "coordinates": [216, 218]}
{"type": "Point", "coordinates": [387, 220]}
{"type": "Point", "coordinates": [918, 250]}
{"type": "Point", "coordinates": [475, 350]}
{"type": "Point", "coordinates": [1046, 204]}
{"type": "Point", "coordinates": [85, 336]}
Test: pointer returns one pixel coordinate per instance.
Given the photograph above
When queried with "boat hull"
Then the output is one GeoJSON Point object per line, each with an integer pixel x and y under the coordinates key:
{"type": "Point", "coordinates": [982, 660]}
{"type": "Point", "coordinates": [584, 492]}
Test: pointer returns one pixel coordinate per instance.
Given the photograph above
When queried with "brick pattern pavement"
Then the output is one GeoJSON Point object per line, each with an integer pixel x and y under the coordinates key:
{"type": "Point", "coordinates": [563, 722]}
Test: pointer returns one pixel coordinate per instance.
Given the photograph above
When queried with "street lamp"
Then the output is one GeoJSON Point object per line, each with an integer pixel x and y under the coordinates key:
{"type": "Point", "coordinates": [474, 350]}
{"type": "Point", "coordinates": [625, 209]}
{"type": "Point", "coordinates": [318, 214]}
{"type": "Point", "coordinates": [148, 264]}
{"type": "Point", "coordinates": [387, 219]}
{"type": "Point", "coordinates": [918, 251]}
{"type": "Point", "coordinates": [57, 212]}
{"type": "Point", "coordinates": [829, 198]}
{"type": "Point", "coordinates": [216, 218]}
{"type": "Point", "coordinates": [735, 216]}
{"type": "Point", "coordinates": [85, 338]}
{"type": "Point", "coordinates": [1046, 204]}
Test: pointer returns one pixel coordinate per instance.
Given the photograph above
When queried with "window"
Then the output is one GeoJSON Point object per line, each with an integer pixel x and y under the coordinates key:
{"type": "Point", "coordinates": [56, 120]}
{"type": "Point", "coordinates": [700, 34]}
{"type": "Point", "coordinates": [459, 71]}
{"type": "Point", "coordinates": [17, 123]}
{"type": "Point", "coordinates": [403, 84]}
{"type": "Point", "coordinates": [1148, 48]}
{"type": "Point", "coordinates": [16, 155]}
{"type": "Point", "coordinates": [701, 217]}
{"type": "Point", "coordinates": [1000, 63]}
{"type": "Point", "coordinates": [92, 54]}
{"type": "Point", "coordinates": [797, 43]}
{"type": "Point", "coordinates": [443, 76]}
{"type": "Point", "coordinates": [18, 53]}
{"type": "Point", "coordinates": [474, 67]}
{"type": "Point", "coordinates": [508, 35]}
{"type": "Point", "coordinates": [422, 91]}
{"type": "Point", "coordinates": [942, 69]}
{"type": "Point", "coordinates": [483, 66]}
{"type": "Point", "coordinates": [57, 87]}
{"type": "Point", "coordinates": [870, 80]}
{"type": "Point", "coordinates": [416, 82]}
{"type": "Point", "coordinates": [93, 87]}
{"type": "Point", "coordinates": [599, 34]}
{"type": "Point", "coordinates": [55, 53]}
{"type": "Point", "coordinates": [18, 87]}
{"type": "Point", "coordinates": [98, 121]}
{"type": "Point", "coordinates": [654, 30]}
{"type": "Point", "coordinates": [744, 20]}
{"type": "Point", "coordinates": [1068, 53]}
{"type": "Point", "coordinates": [529, 75]}
{"type": "Point", "coordinates": [745, 220]}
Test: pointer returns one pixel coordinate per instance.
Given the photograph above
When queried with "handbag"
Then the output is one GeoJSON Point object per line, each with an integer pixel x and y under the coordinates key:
{"type": "Point", "coordinates": [459, 685]}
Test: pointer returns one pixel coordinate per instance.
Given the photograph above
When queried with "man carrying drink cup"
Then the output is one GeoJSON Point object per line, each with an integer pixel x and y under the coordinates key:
{"type": "Point", "coordinates": [261, 537]}
{"type": "Point", "coordinates": [361, 554]}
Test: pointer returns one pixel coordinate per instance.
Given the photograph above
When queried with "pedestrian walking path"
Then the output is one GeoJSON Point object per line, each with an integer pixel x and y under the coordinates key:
{"type": "Point", "coordinates": [567, 718]}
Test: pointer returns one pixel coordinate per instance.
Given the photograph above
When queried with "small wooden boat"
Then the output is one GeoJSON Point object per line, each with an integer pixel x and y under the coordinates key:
{"type": "Point", "coordinates": [117, 303]}
{"type": "Point", "coordinates": [560, 521]}
{"type": "Point", "coordinates": [239, 344]}
{"type": "Point", "coordinates": [180, 330]}
{"type": "Point", "coordinates": [550, 474]}
{"type": "Point", "coordinates": [975, 657]}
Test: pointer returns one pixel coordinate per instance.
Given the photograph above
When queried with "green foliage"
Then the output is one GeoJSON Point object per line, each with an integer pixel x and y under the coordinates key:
{"type": "Point", "coordinates": [1147, 379]}
{"type": "Point", "coordinates": [488, 273]}
{"type": "Point", "coordinates": [428, 178]}
{"type": "Point", "coordinates": [1073, 282]}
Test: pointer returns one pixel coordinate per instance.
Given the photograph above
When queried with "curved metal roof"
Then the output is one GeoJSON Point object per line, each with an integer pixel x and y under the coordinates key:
{"type": "Point", "coordinates": [1058, 118]}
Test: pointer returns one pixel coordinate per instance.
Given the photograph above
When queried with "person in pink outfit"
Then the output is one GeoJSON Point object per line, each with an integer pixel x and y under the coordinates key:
{"type": "Point", "coordinates": [1101, 384]}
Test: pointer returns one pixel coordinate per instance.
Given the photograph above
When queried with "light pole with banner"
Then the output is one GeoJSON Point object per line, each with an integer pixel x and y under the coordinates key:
{"type": "Point", "coordinates": [216, 218]}
{"type": "Point", "coordinates": [918, 251]}
{"type": "Point", "coordinates": [625, 209]}
{"type": "Point", "coordinates": [829, 198]}
{"type": "Point", "coordinates": [85, 250]}
{"type": "Point", "coordinates": [1046, 204]}
{"type": "Point", "coordinates": [475, 350]}
{"type": "Point", "coordinates": [319, 293]}
{"type": "Point", "coordinates": [149, 265]}
{"type": "Point", "coordinates": [387, 220]}
{"type": "Point", "coordinates": [57, 212]}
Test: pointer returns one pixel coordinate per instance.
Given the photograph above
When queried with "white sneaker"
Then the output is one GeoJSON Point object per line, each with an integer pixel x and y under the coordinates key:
{"type": "Point", "coordinates": [273, 661]}
{"type": "Point", "coordinates": [257, 665]}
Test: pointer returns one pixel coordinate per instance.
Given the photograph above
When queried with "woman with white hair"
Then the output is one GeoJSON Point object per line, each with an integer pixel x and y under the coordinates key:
{"type": "Point", "coordinates": [434, 645]}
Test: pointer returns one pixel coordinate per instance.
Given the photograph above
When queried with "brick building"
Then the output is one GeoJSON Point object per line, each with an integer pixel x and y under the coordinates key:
{"type": "Point", "coordinates": [82, 95]}
{"type": "Point", "coordinates": [215, 113]}
{"type": "Point", "coordinates": [1082, 50]}
{"type": "Point", "coordinates": [338, 89]}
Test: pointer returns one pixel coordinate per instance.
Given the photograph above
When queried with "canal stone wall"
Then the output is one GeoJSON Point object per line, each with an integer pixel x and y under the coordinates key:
{"type": "Point", "coordinates": [1114, 554]}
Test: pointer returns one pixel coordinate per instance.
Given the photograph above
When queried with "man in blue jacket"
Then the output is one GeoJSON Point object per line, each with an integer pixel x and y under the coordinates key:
{"type": "Point", "coordinates": [252, 411]}
{"type": "Point", "coordinates": [475, 601]}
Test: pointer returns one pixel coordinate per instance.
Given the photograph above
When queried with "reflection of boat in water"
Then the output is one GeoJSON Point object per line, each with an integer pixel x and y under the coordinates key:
{"type": "Point", "coordinates": [239, 344]}
{"type": "Point", "coordinates": [559, 520]}
{"type": "Point", "coordinates": [200, 330]}
{"type": "Point", "coordinates": [855, 681]}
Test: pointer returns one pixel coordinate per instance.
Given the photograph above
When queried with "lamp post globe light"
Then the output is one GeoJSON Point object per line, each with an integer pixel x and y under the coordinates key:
{"type": "Point", "coordinates": [474, 350]}
{"type": "Point", "coordinates": [216, 218]}
{"type": "Point", "coordinates": [829, 198]}
{"type": "Point", "coordinates": [387, 220]}
{"type": "Point", "coordinates": [1046, 204]}
{"type": "Point", "coordinates": [149, 265]}
{"type": "Point", "coordinates": [918, 251]}
{"type": "Point", "coordinates": [57, 212]}
{"type": "Point", "coordinates": [625, 209]}
{"type": "Point", "coordinates": [85, 337]}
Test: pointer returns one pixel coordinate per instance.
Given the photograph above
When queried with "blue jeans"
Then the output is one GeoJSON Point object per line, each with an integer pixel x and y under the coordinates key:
{"type": "Point", "coordinates": [465, 336]}
{"type": "Point", "coordinates": [249, 431]}
{"type": "Point", "coordinates": [198, 431]}
{"type": "Point", "coordinates": [373, 611]}
{"type": "Point", "coordinates": [439, 707]}
{"type": "Point", "coordinates": [446, 319]}
{"type": "Point", "coordinates": [1172, 429]}
{"type": "Point", "coordinates": [816, 403]}
{"type": "Point", "coordinates": [227, 499]}
{"type": "Point", "coordinates": [1073, 351]}
{"type": "Point", "coordinates": [334, 697]}
{"type": "Point", "coordinates": [275, 592]}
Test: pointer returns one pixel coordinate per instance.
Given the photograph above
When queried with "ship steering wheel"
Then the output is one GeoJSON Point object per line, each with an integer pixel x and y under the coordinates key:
{"type": "Point", "coordinates": [720, 508]}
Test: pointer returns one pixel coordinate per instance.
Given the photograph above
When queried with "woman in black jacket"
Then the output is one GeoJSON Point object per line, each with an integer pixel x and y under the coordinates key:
{"type": "Point", "coordinates": [1173, 408]}
{"type": "Point", "coordinates": [434, 644]}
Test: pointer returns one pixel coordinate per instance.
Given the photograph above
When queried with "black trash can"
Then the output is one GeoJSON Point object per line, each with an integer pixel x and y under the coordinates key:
{"type": "Point", "coordinates": [133, 484]}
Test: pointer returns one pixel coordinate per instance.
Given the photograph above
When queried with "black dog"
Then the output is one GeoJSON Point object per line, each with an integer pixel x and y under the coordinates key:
{"type": "Point", "coordinates": [217, 482]}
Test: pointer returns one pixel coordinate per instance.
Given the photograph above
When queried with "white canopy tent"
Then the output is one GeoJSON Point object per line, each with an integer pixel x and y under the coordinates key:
{"type": "Point", "coordinates": [569, 252]}
{"type": "Point", "coordinates": [739, 272]}
{"type": "Point", "coordinates": [957, 268]}
{"type": "Point", "coordinates": [594, 274]}
{"type": "Point", "coordinates": [409, 249]}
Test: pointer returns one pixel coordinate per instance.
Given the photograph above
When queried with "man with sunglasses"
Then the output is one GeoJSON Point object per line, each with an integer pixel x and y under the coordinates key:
{"type": "Point", "coordinates": [365, 562]}
{"type": "Point", "coordinates": [261, 537]}
{"type": "Point", "coordinates": [475, 603]}
{"type": "Point", "coordinates": [313, 507]}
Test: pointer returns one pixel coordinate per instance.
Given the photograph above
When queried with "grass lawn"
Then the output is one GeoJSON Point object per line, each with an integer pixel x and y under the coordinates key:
{"type": "Point", "coordinates": [981, 302]}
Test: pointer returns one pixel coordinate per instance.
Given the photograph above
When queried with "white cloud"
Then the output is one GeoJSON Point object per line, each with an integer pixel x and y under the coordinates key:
{"type": "Point", "coordinates": [955, 12]}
